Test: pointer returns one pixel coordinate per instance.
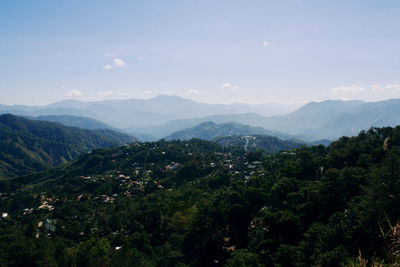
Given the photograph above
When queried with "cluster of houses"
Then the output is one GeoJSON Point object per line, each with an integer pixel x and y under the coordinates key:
{"type": "Point", "coordinates": [3, 196]}
{"type": "Point", "coordinates": [172, 166]}
{"type": "Point", "coordinates": [4, 215]}
{"type": "Point", "coordinates": [47, 224]}
{"type": "Point", "coordinates": [107, 198]}
{"type": "Point", "coordinates": [239, 166]}
{"type": "Point", "coordinates": [46, 203]}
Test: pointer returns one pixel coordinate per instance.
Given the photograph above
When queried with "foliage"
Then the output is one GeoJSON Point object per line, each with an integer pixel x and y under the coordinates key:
{"type": "Point", "coordinates": [27, 146]}
{"type": "Point", "coordinates": [196, 203]}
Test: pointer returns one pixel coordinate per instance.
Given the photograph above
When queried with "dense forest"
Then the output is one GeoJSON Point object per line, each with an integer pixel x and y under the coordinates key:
{"type": "Point", "coordinates": [197, 203]}
{"type": "Point", "coordinates": [27, 146]}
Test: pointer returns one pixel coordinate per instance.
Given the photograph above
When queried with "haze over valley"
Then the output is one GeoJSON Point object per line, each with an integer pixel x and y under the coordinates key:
{"type": "Point", "coordinates": [162, 116]}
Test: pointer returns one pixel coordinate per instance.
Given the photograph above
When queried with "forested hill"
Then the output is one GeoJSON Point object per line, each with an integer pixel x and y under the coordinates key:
{"type": "Point", "coordinates": [195, 203]}
{"type": "Point", "coordinates": [210, 130]}
{"type": "Point", "coordinates": [76, 121]}
{"type": "Point", "coordinates": [269, 144]}
{"type": "Point", "coordinates": [27, 146]}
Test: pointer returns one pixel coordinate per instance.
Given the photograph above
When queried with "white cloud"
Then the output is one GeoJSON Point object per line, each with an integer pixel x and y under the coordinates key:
{"type": "Point", "coordinates": [105, 93]}
{"type": "Point", "coordinates": [74, 93]}
{"type": "Point", "coordinates": [230, 86]}
{"type": "Point", "coordinates": [141, 57]}
{"type": "Point", "coordinates": [193, 92]}
{"type": "Point", "coordinates": [395, 87]}
{"type": "Point", "coordinates": [347, 89]}
{"type": "Point", "coordinates": [379, 88]}
{"type": "Point", "coordinates": [147, 92]}
{"type": "Point", "coordinates": [266, 44]}
{"type": "Point", "coordinates": [226, 86]}
{"type": "Point", "coordinates": [109, 54]}
{"type": "Point", "coordinates": [376, 88]}
{"type": "Point", "coordinates": [117, 62]}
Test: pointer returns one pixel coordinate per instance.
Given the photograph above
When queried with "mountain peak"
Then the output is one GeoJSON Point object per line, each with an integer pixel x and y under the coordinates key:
{"type": "Point", "coordinates": [170, 99]}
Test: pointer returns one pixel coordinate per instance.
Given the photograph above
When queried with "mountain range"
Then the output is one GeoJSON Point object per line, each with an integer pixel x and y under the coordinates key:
{"type": "Point", "coordinates": [133, 113]}
{"type": "Point", "coordinates": [316, 120]}
{"type": "Point", "coordinates": [162, 116]}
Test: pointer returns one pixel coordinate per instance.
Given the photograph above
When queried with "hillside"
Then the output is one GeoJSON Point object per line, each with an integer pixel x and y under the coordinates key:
{"type": "Point", "coordinates": [268, 144]}
{"type": "Point", "coordinates": [27, 146]}
{"type": "Point", "coordinates": [195, 203]}
{"type": "Point", "coordinates": [210, 130]}
{"type": "Point", "coordinates": [75, 121]}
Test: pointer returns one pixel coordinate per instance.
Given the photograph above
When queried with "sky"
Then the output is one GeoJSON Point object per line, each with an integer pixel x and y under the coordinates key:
{"type": "Point", "coordinates": [219, 51]}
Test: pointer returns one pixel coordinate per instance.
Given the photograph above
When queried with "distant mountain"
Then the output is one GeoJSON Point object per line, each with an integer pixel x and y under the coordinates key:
{"type": "Point", "coordinates": [315, 121]}
{"type": "Point", "coordinates": [27, 145]}
{"type": "Point", "coordinates": [269, 144]}
{"type": "Point", "coordinates": [136, 113]}
{"type": "Point", "coordinates": [161, 116]}
{"type": "Point", "coordinates": [324, 142]}
{"type": "Point", "coordinates": [75, 121]}
{"type": "Point", "coordinates": [332, 119]}
{"type": "Point", "coordinates": [162, 131]}
{"type": "Point", "coordinates": [310, 122]}
{"type": "Point", "coordinates": [210, 130]}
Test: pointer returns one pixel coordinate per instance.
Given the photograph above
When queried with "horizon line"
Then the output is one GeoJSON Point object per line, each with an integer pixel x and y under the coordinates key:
{"type": "Point", "coordinates": [270, 101]}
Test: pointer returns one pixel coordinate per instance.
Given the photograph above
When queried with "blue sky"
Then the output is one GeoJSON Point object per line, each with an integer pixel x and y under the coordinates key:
{"type": "Point", "coordinates": [210, 51]}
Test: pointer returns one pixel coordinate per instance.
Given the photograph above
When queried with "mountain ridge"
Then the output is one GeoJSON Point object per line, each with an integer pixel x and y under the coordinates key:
{"type": "Point", "coordinates": [28, 145]}
{"type": "Point", "coordinates": [210, 130]}
{"type": "Point", "coordinates": [161, 116]}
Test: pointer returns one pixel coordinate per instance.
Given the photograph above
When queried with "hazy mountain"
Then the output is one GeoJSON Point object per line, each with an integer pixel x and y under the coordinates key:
{"type": "Point", "coordinates": [308, 123]}
{"type": "Point", "coordinates": [161, 131]}
{"type": "Point", "coordinates": [311, 117]}
{"type": "Point", "coordinates": [75, 121]}
{"type": "Point", "coordinates": [30, 145]}
{"type": "Point", "coordinates": [314, 121]}
{"type": "Point", "coordinates": [135, 113]}
{"type": "Point", "coordinates": [324, 142]}
{"type": "Point", "coordinates": [210, 130]}
{"type": "Point", "coordinates": [181, 107]}
{"type": "Point", "coordinates": [18, 109]}
{"type": "Point", "coordinates": [163, 115]}
{"type": "Point", "coordinates": [269, 144]}
{"type": "Point", "coordinates": [331, 119]}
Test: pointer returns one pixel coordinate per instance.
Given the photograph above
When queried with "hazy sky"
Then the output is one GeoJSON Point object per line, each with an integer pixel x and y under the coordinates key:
{"type": "Point", "coordinates": [218, 51]}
